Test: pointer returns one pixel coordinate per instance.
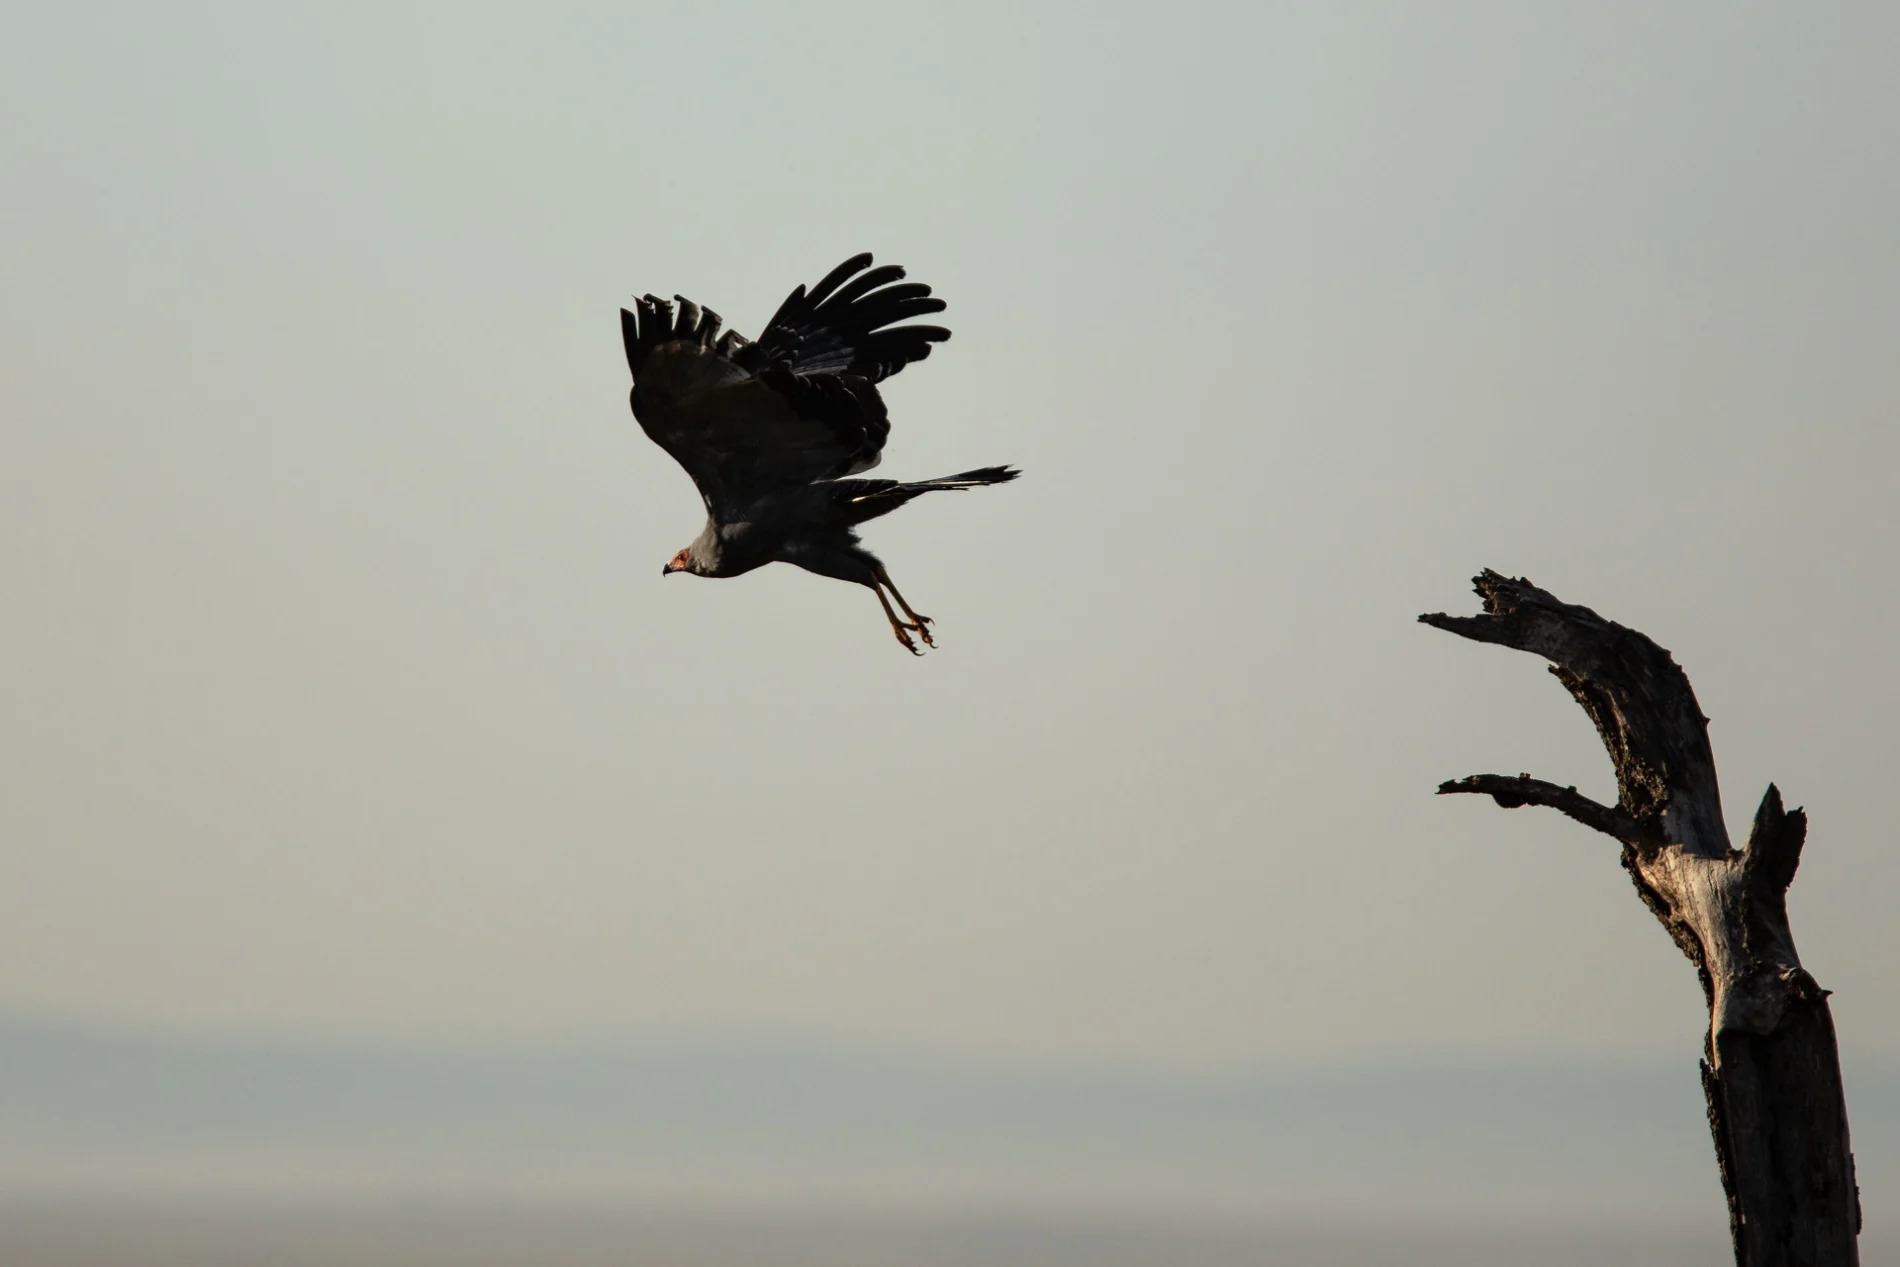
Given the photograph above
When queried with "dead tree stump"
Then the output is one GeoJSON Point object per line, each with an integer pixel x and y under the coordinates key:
{"type": "Point", "coordinates": [1771, 1068]}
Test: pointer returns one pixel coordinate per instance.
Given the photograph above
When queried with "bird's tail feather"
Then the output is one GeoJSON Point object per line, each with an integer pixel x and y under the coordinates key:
{"type": "Point", "coordinates": [968, 479]}
{"type": "Point", "coordinates": [859, 500]}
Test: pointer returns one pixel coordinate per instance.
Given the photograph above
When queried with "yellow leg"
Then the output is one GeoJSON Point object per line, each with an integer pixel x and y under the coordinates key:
{"type": "Point", "coordinates": [897, 626]}
{"type": "Point", "coordinates": [920, 623]}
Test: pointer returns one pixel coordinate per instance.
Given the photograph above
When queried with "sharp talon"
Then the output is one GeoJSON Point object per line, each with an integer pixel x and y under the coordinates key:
{"type": "Point", "coordinates": [919, 624]}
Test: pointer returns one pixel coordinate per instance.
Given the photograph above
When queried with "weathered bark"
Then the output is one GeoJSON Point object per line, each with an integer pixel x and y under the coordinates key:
{"type": "Point", "coordinates": [1771, 1070]}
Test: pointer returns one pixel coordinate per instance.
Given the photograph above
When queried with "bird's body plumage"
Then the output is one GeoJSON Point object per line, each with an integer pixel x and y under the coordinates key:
{"type": "Point", "coordinates": [771, 430]}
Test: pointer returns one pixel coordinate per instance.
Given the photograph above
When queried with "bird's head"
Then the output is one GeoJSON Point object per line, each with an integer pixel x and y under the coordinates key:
{"type": "Point", "coordinates": [681, 562]}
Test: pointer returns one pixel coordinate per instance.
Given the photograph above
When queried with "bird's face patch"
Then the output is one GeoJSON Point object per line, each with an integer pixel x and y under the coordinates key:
{"type": "Point", "coordinates": [675, 564]}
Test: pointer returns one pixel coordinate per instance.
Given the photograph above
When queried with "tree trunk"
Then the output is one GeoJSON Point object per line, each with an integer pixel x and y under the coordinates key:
{"type": "Point", "coordinates": [1770, 1070]}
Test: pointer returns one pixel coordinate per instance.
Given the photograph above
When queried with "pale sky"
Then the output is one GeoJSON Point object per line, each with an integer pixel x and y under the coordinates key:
{"type": "Point", "coordinates": [340, 692]}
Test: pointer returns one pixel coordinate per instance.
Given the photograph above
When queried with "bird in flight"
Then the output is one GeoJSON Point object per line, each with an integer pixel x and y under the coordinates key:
{"type": "Point", "coordinates": [769, 430]}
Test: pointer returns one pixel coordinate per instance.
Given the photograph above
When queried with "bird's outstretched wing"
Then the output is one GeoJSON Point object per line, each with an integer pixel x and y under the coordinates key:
{"type": "Point", "coordinates": [840, 327]}
{"type": "Point", "coordinates": [799, 405]}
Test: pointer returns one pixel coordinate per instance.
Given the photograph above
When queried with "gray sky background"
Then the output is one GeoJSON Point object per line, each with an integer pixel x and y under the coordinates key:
{"type": "Point", "coordinates": [341, 694]}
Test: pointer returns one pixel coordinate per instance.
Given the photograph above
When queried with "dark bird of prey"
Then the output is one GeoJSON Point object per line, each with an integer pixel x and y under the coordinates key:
{"type": "Point", "coordinates": [770, 430]}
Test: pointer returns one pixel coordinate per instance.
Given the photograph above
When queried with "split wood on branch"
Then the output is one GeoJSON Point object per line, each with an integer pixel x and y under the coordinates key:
{"type": "Point", "coordinates": [1771, 1067]}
